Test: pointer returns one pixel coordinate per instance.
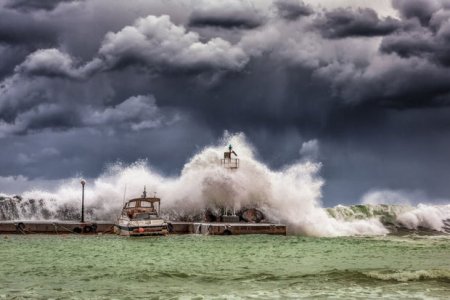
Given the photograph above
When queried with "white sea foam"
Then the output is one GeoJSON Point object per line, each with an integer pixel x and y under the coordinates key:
{"type": "Point", "coordinates": [291, 195]}
{"type": "Point", "coordinates": [408, 208]}
{"type": "Point", "coordinates": [427, 216]}
{"type": "Point", "coordinates": [404, 276]}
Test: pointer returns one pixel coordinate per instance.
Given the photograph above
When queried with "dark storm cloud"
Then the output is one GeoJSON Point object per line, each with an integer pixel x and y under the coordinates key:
{"type": "Point", "coordinates": [160, 44]}
{"type": "Point", "coordinates": [27, 5]}
{"type": "Point", "coordinates": [431, 43]}
{"type": "Point", "coordinates": [11, 57]}
{"type": "Point", "coordinates": [154, 42]}
{"type": "Point", "coordinates": [410, 43]}
{"type": "Point", "coordinates": [341, 23]}
{"type": "Point", "coordinates": [293, 9]}
{"type": "Point", "coordinates": [21, 28]}
{"type": "Point", "coordinates": [234, 14]}
{"type": "Point", "coordinates": [420, 9]}
{"type": "Point", "coordinates": [93, 83]}
{"type": "Point", "coordinates": [43, 117]}
{"type": "Point", "coordinates": [49, 63]}
{"type": "Point", "coordinates": [399, 83]}
{"type": "Point", "coordinates": [134, 114]}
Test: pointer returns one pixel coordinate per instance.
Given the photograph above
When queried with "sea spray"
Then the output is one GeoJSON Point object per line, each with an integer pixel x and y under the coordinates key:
{"type": "Point", "coordinates": [427, 216]}
{"type": "Point", "coordinates": [291, 195]}
{"type": "Point", "coordinates": [387, 213]}
{"type": "Point", "coordinates": [423, 217]}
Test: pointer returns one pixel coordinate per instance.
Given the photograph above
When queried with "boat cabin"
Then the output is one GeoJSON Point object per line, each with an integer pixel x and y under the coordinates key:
{"type": "Point", "coordinates": [145, 208]}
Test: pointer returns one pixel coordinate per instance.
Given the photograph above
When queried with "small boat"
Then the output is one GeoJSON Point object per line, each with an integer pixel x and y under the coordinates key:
{"type": "Point", "coordinates": [141, 217]}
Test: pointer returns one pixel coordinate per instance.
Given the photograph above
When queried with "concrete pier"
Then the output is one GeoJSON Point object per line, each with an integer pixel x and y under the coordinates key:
{"type": "Point", "coordinates": [60, 227]}
{"type": "Point", "coordinates": [54, 227]}
{"type": "Point", "coordinates": [228, 228]}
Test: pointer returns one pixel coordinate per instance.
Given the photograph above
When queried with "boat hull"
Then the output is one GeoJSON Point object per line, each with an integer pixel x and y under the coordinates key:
{"type": "Point", "coordinates": [149, 230]}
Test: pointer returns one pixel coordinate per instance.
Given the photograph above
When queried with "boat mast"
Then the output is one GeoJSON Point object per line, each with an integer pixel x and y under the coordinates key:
{"type": "Point", "coordinates": [144, 194]}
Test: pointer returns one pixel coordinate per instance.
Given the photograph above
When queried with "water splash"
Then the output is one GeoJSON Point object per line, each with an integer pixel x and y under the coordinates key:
{"type": "Point", "coordinates": [423, 217]}
{"type": "Point", "coordinates": [427, 216]}
{"type": "Point", "coordinates": [291, 195]}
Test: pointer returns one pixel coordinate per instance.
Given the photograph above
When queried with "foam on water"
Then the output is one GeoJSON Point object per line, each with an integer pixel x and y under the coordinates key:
{"type": "Point", "coordinates": [404, 276]}
{"type": "Point", "coordinates": [291, 195]}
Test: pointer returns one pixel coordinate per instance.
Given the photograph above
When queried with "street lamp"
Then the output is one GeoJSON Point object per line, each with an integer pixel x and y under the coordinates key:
{"type": "Point", "coordinates": [83, 182]}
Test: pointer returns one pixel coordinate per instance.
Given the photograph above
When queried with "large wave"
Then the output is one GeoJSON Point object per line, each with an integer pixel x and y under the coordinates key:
{"type": "Point", "coordinates": [423, 217]}
{"type": "Point", "coordinates": [291, 195]}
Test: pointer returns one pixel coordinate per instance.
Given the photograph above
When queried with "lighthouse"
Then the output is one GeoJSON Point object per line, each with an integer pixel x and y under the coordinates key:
{"type": "Point", "coordinates": [228, 161]}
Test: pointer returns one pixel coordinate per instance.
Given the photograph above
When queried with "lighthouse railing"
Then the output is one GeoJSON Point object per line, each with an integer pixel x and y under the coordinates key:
{"type": "Point", "coordinates": [230, 163]}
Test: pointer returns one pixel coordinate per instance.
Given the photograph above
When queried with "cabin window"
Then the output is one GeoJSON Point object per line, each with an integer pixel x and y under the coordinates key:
{"type": "Point", "coordinates": [143, 216]}
{"type": "Point", "coordinates": [146, 204]}
{"type": "Point", "coordinates": [132, 204]}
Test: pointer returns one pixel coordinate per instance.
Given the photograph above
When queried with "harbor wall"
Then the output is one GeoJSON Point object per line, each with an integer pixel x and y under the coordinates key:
{"type": "Point", "coordinates": [35, 227]}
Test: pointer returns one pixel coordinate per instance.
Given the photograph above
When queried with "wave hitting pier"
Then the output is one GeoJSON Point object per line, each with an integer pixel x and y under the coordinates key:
{"type": "Point", "coordinates": [228, 228]}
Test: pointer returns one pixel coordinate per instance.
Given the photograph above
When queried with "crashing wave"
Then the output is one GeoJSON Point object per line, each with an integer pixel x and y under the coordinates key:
{"type": "Point", "coordinates": [422, 217]}
{"type": "Point", "coordinates": [291, 196]}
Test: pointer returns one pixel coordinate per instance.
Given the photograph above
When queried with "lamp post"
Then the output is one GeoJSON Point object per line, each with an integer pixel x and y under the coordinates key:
{"type": "Point", "coordinates": [83, 182]}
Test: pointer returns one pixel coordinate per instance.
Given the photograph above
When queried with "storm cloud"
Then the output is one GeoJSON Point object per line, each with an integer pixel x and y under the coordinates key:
{"type": "Point", "coordinates": [293, 9]}
{"type": "Point", "coordinates": [341, 23]}
{"type": "Point", "coordinates": [157, 42]}
{"type": "Point", "coordinates": [228, 15]}
{"type": "Point", "coordinates": [27, 5]}
{"type": "Point", "coordinates": [98, 83]}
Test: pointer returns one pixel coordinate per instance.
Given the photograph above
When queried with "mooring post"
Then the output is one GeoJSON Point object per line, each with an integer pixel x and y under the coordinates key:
{"type": "Point", "coordinates": [83, 182]}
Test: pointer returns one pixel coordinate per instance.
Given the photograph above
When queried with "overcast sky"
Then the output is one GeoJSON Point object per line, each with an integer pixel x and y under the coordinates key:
{"type": "Point", "coordinates": [363, 89]}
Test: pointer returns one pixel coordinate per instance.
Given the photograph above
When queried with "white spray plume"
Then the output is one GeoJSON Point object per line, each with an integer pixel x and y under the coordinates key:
{"type": "Point", "coordinates": [396, 197]}
{"type": "Point", "coordinates": [291, 196]}
{"type": "Point", "coordinates": [426, 216]}
{"type": "Point", "coordinates": [310, 150]}
{"type": "Point", "coordinates": [411, 212]}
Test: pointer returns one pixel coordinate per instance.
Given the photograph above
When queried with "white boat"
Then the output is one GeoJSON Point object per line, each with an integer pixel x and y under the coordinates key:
{"type": "Point", "coordinates": [141, 217]}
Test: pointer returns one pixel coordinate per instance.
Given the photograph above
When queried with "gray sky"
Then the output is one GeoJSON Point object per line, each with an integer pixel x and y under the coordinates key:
{"type": "Point", "coordinates": [363, 85]}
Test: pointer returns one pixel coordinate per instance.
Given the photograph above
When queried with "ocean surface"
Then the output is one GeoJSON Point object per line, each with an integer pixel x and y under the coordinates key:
{"type": "Point", "coordinates": [219, 267]}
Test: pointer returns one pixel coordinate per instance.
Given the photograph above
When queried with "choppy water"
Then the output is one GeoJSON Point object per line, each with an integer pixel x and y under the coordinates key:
{"type": "Point", "coordinates": [234, 267]}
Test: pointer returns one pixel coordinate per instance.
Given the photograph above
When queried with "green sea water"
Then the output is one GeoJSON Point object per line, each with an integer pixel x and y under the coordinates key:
{"type": "Point", "coordinates": [223, 267]}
